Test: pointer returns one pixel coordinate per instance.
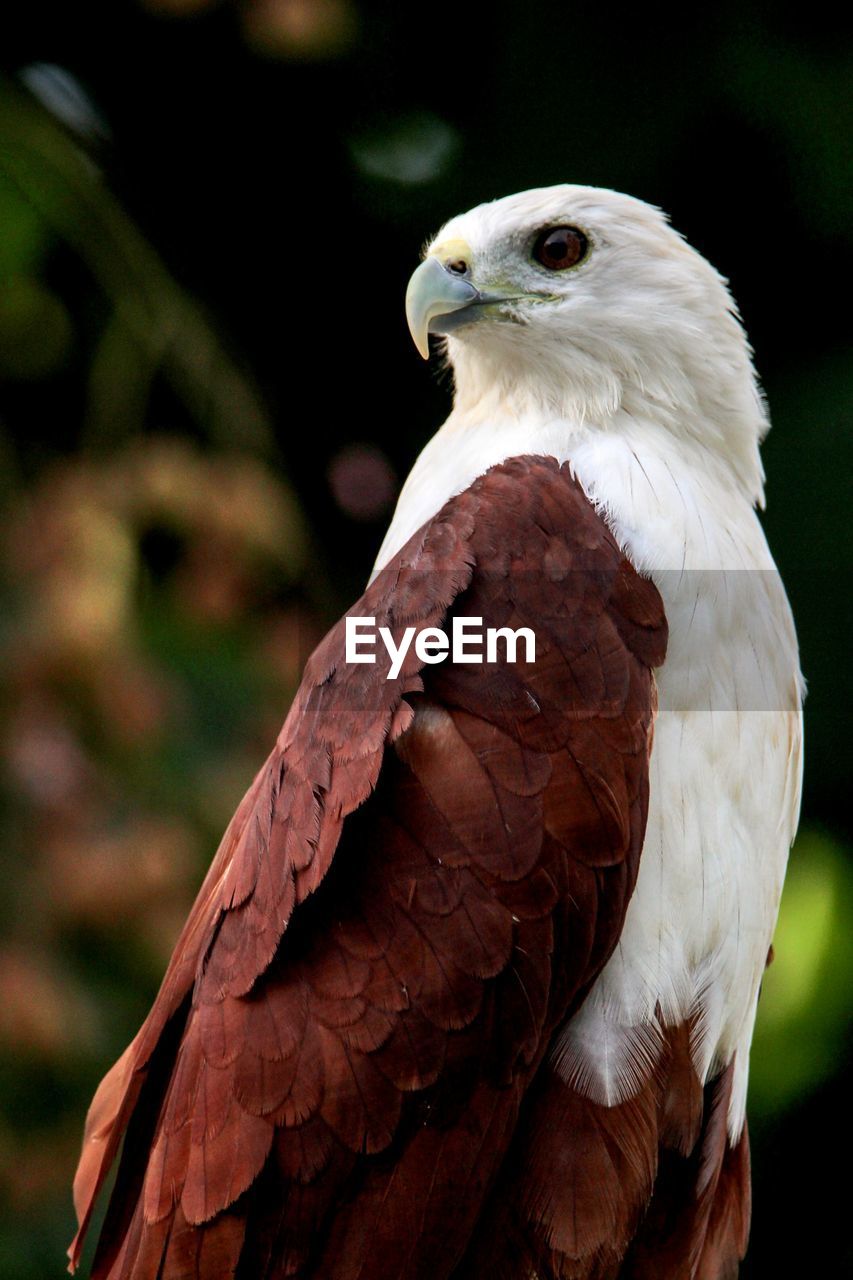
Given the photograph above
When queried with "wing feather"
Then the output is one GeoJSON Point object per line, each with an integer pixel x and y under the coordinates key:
{"type": "Point", "coordinates": [422, 882]}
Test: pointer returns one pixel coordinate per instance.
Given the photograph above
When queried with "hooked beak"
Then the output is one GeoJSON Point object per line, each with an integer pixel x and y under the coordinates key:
{"type": "Point", "coordinates": [440, 298]}
{"type": "Point", "coordinates": [434, 292]}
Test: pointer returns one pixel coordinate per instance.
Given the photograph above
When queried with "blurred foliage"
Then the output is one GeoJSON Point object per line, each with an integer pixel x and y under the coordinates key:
{"type": "Point", "coordinates": [156, 612]}
{"type": "Point", "coordinates": [806, 1001]}
{"type": "Point", "coordinates": [160, 582]}
{"type": "Point", "coordinates": [153, 635]}
{"type": "Point", "coordinates": [50, 195]}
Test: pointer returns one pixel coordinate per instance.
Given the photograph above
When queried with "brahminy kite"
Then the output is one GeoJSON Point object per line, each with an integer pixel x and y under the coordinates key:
{"type": "Point", "coordinates": [469, 988]}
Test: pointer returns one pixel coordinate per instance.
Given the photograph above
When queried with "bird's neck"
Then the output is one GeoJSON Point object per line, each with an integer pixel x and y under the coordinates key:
{"type": "Point", "coordinates": [701, 398]}
{"type": "Point", "coordinates": [493, 382]}
{"type": "Point", "coordinates": [669, 500]}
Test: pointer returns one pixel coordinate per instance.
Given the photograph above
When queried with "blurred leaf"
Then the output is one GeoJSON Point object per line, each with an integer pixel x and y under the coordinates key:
{"type": "Point", "coordinates": [25, 237]}
{"type": "Point", "coordinates": [805, 1003]}
{"type": "Point", "coordinates": [35, 329]}
{"type": "Point", "coordinates": [65, 97]}
{"type": "Point", "coordinates": [808, 101]}
{"type": "Point", "coordinates": [412, 151]}
{"type": "Point", "coordinates": [63, 189]}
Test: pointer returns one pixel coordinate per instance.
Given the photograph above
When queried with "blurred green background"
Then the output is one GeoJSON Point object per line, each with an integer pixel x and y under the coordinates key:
{"type": "Point", "coordinates": [208, 213]}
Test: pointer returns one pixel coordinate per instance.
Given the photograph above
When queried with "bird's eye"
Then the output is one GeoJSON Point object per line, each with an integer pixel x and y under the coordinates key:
{"type": "Point", "coordinates": [558, 248]}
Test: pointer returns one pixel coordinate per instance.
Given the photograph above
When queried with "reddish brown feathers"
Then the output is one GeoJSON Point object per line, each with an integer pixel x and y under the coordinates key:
{"type": "Point", "coordinates": [345, 1069]}
{"type": "Point", "coordinates": [649, 1189]}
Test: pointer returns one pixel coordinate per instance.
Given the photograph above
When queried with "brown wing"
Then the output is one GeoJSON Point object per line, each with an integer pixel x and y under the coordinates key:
{"type": "Point", "coordinates": [337, 1102]}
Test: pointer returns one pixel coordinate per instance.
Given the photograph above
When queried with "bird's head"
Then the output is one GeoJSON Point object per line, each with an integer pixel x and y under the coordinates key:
{"type": "Point", "coordinates": [585, 302]}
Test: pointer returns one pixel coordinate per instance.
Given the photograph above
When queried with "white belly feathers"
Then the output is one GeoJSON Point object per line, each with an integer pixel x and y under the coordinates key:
{"type": "Point", "coordinates": [726, 761]}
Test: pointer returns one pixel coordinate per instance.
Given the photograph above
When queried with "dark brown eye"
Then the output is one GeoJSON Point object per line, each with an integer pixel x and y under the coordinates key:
{"type": "Point", "coordinates": [560, 247]}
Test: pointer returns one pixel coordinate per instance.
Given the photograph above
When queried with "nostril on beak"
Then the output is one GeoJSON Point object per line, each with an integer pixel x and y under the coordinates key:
{"type": "Point", "coordinates": [458, 267]}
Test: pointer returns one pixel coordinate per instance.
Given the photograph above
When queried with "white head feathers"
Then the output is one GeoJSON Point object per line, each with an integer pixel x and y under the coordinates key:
{"type": "Point", "coordinates": [641, 326]}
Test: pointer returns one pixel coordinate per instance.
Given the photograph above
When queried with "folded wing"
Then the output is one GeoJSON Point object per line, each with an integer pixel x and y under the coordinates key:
{"type": "Point", "coordinates": [422, 882]}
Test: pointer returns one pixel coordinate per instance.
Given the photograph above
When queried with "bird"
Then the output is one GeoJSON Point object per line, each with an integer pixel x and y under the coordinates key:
{"type": "Point", "coordinates": [469, 988]}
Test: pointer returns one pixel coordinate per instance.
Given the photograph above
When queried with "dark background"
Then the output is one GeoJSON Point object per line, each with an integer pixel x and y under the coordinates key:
{"type": "Point", "coordinates": [209, 399]}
